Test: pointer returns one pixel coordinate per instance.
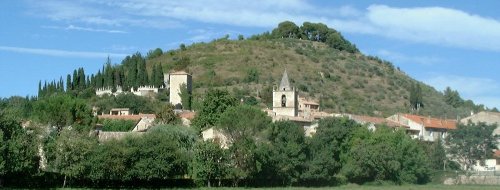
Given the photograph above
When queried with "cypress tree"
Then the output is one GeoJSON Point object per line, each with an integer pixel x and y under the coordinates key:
{"type": "Point", "coordinates": [75, 79]}
{"type": "Point", "coordinates": [69, 86]}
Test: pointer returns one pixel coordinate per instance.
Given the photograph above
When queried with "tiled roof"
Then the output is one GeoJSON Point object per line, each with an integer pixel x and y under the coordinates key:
{"type": "Point", "coordinates": [187, 114]}
{"type": "Point", "coordinates": [430, 122]}
{"type": "Point", "coordinates": [179, 73]}
{"type": "Point", "coordinates": [377, 121]}
{"type": "Point", "coordinates": [497, 154]}
{"type": "Point", "coordinates": [127, 117]}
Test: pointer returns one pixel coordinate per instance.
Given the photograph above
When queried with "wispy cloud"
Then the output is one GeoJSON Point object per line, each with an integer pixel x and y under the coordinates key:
{"type": "Point", "coordinates": [60, 53]}
{"type": "Point", "coordinates": [431, 25]}
{"type": "Point", "coordinates": [88, 29]}
{"type": "Point", "coordinates": [403, 58]}
{"type": "Point", "coordinates": [482, 90]}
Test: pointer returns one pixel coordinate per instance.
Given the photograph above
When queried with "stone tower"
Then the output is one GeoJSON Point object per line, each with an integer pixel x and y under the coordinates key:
{"type": "Point", "coordinates": [176, 79]}
{"type": "Point", "coordinates": [285, 98]}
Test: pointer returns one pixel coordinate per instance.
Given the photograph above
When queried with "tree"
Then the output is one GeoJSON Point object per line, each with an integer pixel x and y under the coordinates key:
{"type": "Point", "coordinates": [286, 29]}
{"type": "Point", "coordinates": [166, 115]}
{"type": "Point", "coordinates": [250, 122]}
{"type": "Point", "coordinates": [168, 158]}
{"type": "Point", "coordinates": [209, 162]}
{"type": "Point", "coordinates": [452, 97]}
{"type": "Point", "coordinates": [214, 104]}
{"type": "Point", "coordinates": [385, 155]}
{"type": "Point", "coordinates": [72, 150]}
{"type": "Point", "coordinates": [471, 143]}
{"type": "Point", "coordinates": [186, 97]}
{"type": "Point", "coordinates": [328, 150]}
{"type": "Point", "coordinates": [416, 100]}
{"type": "Point", "coordinates": [283, 158]}
{"type": "Point", "coordinates": [61, 110]}
{"type": "Point", "coordinates": [154, 53]}
{"type": "Point", "coordinates": [18, 149]}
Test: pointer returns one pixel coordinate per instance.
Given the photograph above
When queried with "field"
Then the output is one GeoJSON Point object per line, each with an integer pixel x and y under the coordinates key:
{"type": "Point", "coordinates": [387, 187]}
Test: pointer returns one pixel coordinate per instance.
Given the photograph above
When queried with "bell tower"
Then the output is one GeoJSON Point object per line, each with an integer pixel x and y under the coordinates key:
{"type": "Point", "coordinates": [285, 98]}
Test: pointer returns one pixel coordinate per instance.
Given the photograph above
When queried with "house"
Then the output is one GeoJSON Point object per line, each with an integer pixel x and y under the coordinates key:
{"type": "Point", "coordinates": [142, 121]}
{"type": "Point", "coordinates": [186, 117]}
{"type": "Point", "coordinates": [373, 122]}
{"type": "Point", "coordinates": [486, 117]}
{"type": "Point", "coordinates": [119, 111]}
{"type": "Point", "coordinates": [216, 136]}
{"type": "Point", "coordinates": [425, 128]}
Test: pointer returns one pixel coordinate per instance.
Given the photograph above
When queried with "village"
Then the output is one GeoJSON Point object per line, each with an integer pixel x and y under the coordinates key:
{"type": "Point", "coordinates": [289, 106]}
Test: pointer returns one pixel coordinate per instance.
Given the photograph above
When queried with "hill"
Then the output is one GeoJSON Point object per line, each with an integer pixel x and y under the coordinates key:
{"type": "Point", "coordinates": [339, 80]}
{"type": "Point", "coordinates": [320, 62]}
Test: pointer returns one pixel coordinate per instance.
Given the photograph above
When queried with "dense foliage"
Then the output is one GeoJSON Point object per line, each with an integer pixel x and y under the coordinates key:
{"type": "Point", "coordinates": [471, 143]}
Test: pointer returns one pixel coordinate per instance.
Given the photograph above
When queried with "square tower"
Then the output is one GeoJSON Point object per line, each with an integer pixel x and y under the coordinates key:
{"type": "Point", "coordinates": [176, 80]}
{"type": "Point", "coordinates": [285, 98]}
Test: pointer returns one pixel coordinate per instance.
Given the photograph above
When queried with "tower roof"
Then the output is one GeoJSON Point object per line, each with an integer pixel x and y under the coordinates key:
{"type": "Point", "coordinates": [284, 82]}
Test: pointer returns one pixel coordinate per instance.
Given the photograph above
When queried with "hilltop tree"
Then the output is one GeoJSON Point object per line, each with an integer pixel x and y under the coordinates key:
{"type": "Point", "coordinates": [286, 29]}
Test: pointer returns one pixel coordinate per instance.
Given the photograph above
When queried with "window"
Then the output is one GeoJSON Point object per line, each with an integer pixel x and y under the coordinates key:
{"type": "Point", "coordinates": [283, 101]}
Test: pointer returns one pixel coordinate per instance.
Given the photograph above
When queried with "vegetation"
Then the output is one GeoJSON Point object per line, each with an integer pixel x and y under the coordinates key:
{"type": "Point", "coordinates": [55, 144]}
{"type": "Point", "coordinates": [471, 143]}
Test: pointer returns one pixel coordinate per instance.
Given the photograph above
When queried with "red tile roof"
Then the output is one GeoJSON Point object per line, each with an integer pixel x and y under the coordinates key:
{"type": "Point", "coordinates": [187, 115]}
{"type": "Point", "coordinates": [430, 122]}
{"type": "Point", "coordinates": [127, 117]}
{"type": "Point", "coordinates": [377, 121]}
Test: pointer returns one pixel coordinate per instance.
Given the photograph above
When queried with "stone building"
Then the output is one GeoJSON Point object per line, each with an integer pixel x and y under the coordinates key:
{"type": "Point", "coordinates": [285, 98]}
{"type": "Point", "coordinates": [176, 80]}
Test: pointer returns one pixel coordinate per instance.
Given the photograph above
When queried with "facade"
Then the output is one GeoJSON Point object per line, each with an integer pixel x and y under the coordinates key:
{"type": "Point", "coordinates": [176, 80]}
{"type": "Point", "coordinates": [425, 128]}
{"type": "Point", "coordinates": [486, 117]}
{"type": "Point", "coordinates": [373, 122]}
{"type": "Point", "coordinates": [285, 98]}
{"type": "Point", "coordinates": [145, 91]}
{"type": "Point", "coordinates": [119, 111]}
{"type": "Point", "coordinates": [142, 121]}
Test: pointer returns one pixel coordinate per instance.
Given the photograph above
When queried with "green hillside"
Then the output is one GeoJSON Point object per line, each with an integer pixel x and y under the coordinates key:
{"type": "Point", "coordinates": [341, 81]}
{"type": "Point", "coordinates": [320, 62]}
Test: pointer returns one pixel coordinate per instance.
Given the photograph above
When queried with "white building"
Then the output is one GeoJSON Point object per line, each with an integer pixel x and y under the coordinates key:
{"type": "Point", "coordinates": [425, 128]}
{"type": "Point", "coordinates": [176, 80]}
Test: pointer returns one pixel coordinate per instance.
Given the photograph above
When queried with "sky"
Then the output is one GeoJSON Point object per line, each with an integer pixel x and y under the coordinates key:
{"type": "Point", "coordinates": [441, 43]}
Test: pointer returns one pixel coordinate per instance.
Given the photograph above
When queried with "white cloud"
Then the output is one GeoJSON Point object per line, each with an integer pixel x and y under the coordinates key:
{"type": "Point", "coordinates": [480, 90]}
{"type": "Point", "coordinates": [88, 29]}
{"type": "Point", "coordinates": [435, 25]}
{"type": "Point", "coordinates": [431, 25]}
{"type": "Point", "coordinates": [402, 58]}
{"type": "Point", "coordinates": [60, 53]}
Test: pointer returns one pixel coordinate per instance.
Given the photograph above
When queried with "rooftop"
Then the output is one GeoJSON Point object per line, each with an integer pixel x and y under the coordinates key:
{"type": "Point", "coordinates": [430, 122]}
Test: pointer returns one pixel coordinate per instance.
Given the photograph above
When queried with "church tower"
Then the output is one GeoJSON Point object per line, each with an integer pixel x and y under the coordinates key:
{"type": "Point", "coordinates": [285, 98]}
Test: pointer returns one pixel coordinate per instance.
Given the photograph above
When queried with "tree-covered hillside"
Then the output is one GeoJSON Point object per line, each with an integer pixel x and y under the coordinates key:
{"type": "Point", "coordinates": [320, 62]}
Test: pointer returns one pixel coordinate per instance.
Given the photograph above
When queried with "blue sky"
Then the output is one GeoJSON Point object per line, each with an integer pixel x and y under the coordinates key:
{"type": "Point", "coordinates": [442, 43]}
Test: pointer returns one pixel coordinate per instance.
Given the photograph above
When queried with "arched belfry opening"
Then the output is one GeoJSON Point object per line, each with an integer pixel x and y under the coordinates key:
{"type": "Point", "coordinates": [283, 100]}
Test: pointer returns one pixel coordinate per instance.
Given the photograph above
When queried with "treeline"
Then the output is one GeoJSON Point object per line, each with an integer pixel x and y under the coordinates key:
{"type": "Point", "coordinates": [254, 152]}
{"type": "Point", "coordinates": [130, 74]}
{"type": "Point", "coordinates": [309, 31]}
